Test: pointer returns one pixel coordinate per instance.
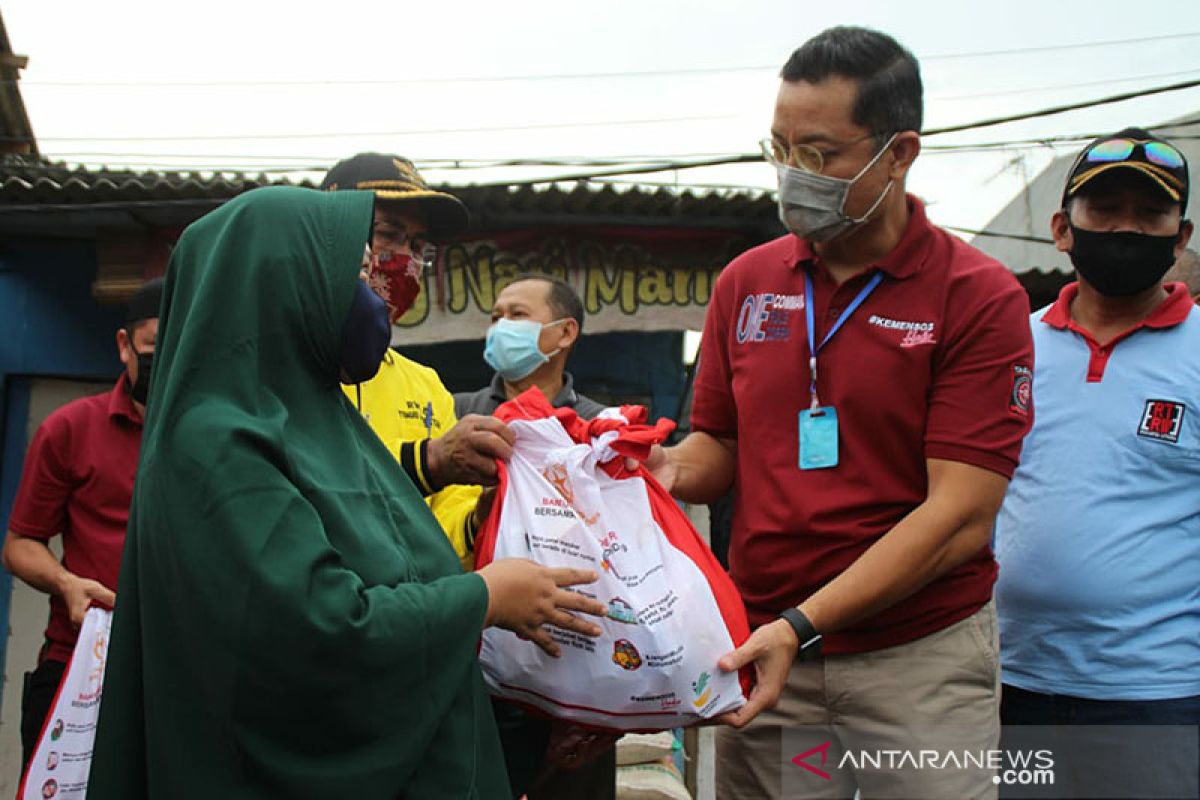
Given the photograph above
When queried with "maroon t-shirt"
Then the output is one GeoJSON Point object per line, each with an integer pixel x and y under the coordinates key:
{"type": "Point", "coordinates": [934, 364]}
{"type": "Point", "coordinates": [78, 481]}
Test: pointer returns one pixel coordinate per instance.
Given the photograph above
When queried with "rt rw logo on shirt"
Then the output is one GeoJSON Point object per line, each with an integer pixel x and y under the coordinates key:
{"type": "Point", "coordinates": [1162, 420]}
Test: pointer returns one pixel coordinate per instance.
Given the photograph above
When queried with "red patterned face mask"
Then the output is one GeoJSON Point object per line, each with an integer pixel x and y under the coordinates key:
{"type": "Point", "coordinates": [397, 279]}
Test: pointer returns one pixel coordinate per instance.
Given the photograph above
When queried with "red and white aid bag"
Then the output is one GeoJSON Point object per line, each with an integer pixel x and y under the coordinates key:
{"type": "Point", "coordinates": [59, 767]}
{"type": "Point", "coordinates": [565, 499]}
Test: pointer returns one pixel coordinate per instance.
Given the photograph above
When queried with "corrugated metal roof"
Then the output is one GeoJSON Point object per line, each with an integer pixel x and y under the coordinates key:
{"type": "Point", "coordinates": [28, 184]}
{"type": "Point", "coordinates": [31, 182]}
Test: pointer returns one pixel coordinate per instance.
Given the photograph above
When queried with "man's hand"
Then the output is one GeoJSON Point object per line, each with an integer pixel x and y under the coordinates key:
{"type": "Point", "coordinates": [660, 465]}
{"type": "Point", "coordinates": [772, 649]}
{"type": "Point", "coordinates": [523, 597]}
{"type": "Point", "coordinates": [78, 593]}
{"type": "Point", "coordinates": [697, 470]}
{"type": "Point", "coordinates": [467, 452]}
{"type": "Point", "coordinates": [30, 560]}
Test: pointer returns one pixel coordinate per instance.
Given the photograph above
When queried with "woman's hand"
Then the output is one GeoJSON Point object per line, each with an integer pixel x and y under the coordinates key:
{"type": "Point", "coordinates": [524, 597]}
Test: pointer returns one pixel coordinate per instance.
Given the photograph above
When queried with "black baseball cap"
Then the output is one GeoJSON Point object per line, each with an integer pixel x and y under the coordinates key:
{"type": "Point", "coordinates": [394, 178]}
{"type": "Point", "coordinates": [145, 303]}
{"type": "Point", "coordinates": [1132, 148]}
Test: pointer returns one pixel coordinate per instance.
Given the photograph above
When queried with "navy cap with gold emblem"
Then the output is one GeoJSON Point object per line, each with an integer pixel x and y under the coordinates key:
{"type": "Point", "coordinates": [1133, 149]}
{"type": "Point", "coordinates": [395, 179]}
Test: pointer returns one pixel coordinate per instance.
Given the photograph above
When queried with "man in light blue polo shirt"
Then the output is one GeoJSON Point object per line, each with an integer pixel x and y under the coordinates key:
{"type": "Point", "coordinates": [1099, 536]}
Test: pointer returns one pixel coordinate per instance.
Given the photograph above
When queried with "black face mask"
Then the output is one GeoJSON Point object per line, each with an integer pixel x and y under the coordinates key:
{"type": "Point", "coordinates": [366, 334]}
{"type": "Point", "coordinates": [1121, 264]}
{"type": "Point", "coordinates": [141, 387]}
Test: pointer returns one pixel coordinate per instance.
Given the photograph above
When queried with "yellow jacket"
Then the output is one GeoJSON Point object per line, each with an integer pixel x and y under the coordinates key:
{"type": "Point", "coordinates": [406, 404]}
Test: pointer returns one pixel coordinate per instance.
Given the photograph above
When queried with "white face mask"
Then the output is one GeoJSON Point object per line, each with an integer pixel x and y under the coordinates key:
{"type": "Point", "coordinates": [813, 206]}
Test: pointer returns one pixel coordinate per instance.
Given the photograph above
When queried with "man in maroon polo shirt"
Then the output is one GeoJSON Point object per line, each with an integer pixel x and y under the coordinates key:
{"type": "Point", "coordinates": [870, 445]}
{"type": "Point", "coordinates": [78, 482]}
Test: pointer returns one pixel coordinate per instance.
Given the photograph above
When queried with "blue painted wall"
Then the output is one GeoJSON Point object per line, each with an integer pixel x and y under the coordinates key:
{"type": "Point", "coordinates": [50, 326]}
{"type": "Point", "coordinates": [49, 322]}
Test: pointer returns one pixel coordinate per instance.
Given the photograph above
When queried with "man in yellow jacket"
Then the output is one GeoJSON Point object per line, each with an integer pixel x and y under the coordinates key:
{"type": "Point", "coordinates": [406, 403]}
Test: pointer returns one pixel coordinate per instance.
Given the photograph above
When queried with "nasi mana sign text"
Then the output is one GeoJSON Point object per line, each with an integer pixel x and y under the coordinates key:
{"type": "Point", "coordinates": [625, 286]}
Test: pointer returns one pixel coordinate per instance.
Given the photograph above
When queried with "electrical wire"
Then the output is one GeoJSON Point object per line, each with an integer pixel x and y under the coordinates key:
{"type": "Point", "coordinates": [939, 98]}
{"type": "Point", "coordinates": [747, 158]}
{"type": "Point", "coordinates": [664, 165]}
{"type": "Point", "coordinates": [1055, 48]}
{"type": "Point", "coordinates": [92, 84]}
{"type": "Point", "coordinates": [1045, 112]}
{"type": "Point", "coordinates": [119, 162]}
{"type": "Point", "coordinates": [653, 121]}
{"type": "Point", "coordinates": [252, 84]}
{"type": "Point", "coordinates": [315, 163]}
{"type": "Point", "coordinates": [999, 235]}
{"type": "Point", "coordinates": [360, 134]}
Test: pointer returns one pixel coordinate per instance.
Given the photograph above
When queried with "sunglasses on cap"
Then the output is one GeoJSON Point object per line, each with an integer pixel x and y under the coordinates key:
{"type": "Point", "coordinates": [1113, 150]}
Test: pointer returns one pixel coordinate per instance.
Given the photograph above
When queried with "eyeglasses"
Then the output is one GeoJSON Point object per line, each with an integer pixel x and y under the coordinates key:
{"type": "Point", "coordinates": [803, 156]}
{"type": "Point", "coordinates": [1112, 150]}
{"type": "Point", "coordinates": [391, 237]}
{"type": "Point", "coordinates": [424, 258]}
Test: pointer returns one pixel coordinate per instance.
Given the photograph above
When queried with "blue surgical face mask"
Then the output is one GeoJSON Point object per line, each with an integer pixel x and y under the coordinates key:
{"type": "Point", "coordinates": [512, 347]}
{"type": "Point", "coordinates": [366, 334]}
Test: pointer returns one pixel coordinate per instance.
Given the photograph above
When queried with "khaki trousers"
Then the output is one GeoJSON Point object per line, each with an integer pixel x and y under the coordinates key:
{"type": "Point", "coordinates": [911, 721]}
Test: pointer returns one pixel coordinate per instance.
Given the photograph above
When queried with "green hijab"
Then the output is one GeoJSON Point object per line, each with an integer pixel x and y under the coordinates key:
{"type": "Point", "coordinates": [290, 619]}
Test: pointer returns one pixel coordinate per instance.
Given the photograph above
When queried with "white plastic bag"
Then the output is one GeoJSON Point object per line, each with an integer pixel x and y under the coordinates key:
{"type": "Point", "coordinates": [59, 767]}
{"type": "Point", "coordinates": [566, 500]}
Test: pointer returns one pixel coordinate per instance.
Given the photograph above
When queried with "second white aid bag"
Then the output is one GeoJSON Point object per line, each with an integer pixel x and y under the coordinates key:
{"type": "Point", "coordinates": [566, 499]}
{"type": "Point", "coordinates": [61, 760]}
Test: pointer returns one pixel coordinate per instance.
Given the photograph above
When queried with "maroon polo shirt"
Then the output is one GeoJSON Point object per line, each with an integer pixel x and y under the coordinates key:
{"type": "Point", "coordinates": [78, 481]}
{"type": "Point", "coordinates": [934, 364]}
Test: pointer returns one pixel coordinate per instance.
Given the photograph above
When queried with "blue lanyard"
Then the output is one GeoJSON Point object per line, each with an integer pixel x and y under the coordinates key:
{"type": "Point", "coordinates": [813, 346]}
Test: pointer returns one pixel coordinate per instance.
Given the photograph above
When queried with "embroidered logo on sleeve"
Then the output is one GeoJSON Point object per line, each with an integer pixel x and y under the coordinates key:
{"type": "Point", "coordinates": [1162, 420]}
{"type": "Point", "coordinates": [1022, 390]}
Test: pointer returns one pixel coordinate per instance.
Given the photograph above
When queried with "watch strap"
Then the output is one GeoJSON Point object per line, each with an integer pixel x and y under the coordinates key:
{"type": "Point", "coordinates": [809, 638]}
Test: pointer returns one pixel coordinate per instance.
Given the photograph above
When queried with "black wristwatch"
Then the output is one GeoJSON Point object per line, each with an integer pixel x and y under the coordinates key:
{"type": "Point", "coordinates": [810, 640]}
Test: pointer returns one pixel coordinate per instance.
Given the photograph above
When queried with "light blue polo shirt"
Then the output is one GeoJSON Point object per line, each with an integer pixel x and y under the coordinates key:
{"type": "Point", "coordinates": [1098, 539]}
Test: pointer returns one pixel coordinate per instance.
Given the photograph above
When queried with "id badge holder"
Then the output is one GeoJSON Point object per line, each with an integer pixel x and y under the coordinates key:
{"type": "Point", "coordinates": [818, 438]}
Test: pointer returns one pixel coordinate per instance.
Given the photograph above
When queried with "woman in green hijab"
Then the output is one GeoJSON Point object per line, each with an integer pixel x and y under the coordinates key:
{"type": "Point", "coordinates": [291, 621]}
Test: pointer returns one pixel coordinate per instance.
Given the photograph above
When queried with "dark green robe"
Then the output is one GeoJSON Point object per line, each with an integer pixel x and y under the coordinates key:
{"type": "Point", "coordinates": [290, 620]}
